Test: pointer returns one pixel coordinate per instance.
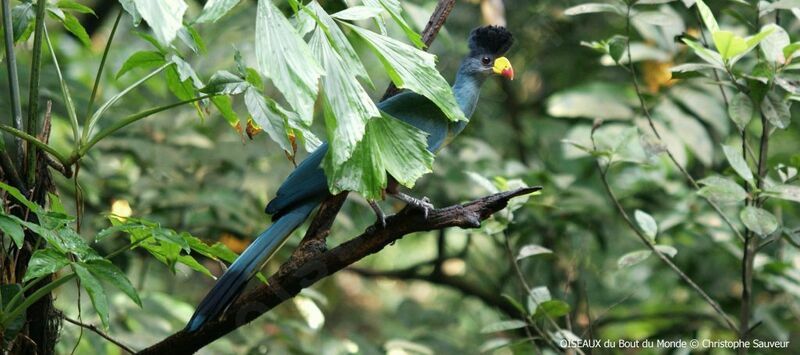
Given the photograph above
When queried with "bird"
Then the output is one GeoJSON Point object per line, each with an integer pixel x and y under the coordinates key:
{"type": "Point", "coordinates": [306, 187]}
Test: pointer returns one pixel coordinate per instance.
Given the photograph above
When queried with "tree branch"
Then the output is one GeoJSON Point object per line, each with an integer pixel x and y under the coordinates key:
{"type": "Point", "coordinates": [99, 332]}
{"type": "Point", "coordinates": [297, 275]}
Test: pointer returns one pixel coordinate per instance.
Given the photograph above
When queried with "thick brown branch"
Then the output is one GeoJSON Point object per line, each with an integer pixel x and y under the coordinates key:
{"type": "Point", "coordinates": [292, 278]}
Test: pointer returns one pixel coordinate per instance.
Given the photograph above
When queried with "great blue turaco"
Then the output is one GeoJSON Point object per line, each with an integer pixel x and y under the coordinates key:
{"type": "Point", "coordinates": [306, 187]}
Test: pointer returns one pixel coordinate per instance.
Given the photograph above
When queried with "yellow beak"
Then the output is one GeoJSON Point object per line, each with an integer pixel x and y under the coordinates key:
{"type": "Point", "coordinates": [503, 67]}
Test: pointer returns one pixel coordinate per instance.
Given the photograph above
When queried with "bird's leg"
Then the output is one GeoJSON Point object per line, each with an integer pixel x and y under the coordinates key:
{"type": "Point", "coordinates": [423, 204]}
{"type": "Point", "coordinates": [378, 213]}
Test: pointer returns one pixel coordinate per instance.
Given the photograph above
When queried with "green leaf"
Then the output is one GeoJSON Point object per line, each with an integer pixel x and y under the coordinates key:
{"type": "Point", "coordinates": [617, 46]}
{"type": "Point", "coordinates": [538, 296]}
{"type": "Point", "coordinates": [225, 106]}
{"type": "Point", "coordinates": [182, 89]}
{"type": "Point", "coordinates": [74, 26]}
{"type": "Point", "coordinates": [531, 250]}
{"type": "Point", "coordinates": [14, 326]}
{"type": "Point", "coordinates": [735, 158]}
{"type": "Point", "coordinates": [12, 229]}
{"type": "Point", "coordinates": [790, 50]}
{"type": "Point", "coordinates": [773, 44]}
{"type": "Point", "coordinates": [269, 116]}
{"type": "Point", "coordinates": [226, 83]}
{"type": "Point", "coordinates": [45, 262]}
{"type": "Point", "coordinates": [388, 145]}
{"type": "Point", "coordinates": [165, 17]}
{"type": "Point", "coordinates": [347, 108]}
{"type": "Point", "coordinates": [647, 224]}
{"type": "Point", "coordinates": [721, 189]}
{"type": "Point", "coordinates": [22, 18]}
{"type": "Point", "coordinates": [130, 7]}
{"type": "Point", "coordinates": [758, 220]}
{"type": "Point", "coordinates": [776, 110]}
{"type": "Point", "coordinates": [20, 197]}
{"type": "Point", "coordinates": [339, 41]}
{"type": "Point", "coordinates": [95, 290]}
{"type": "Point", "coordinates": [728, 44]}
{"type": "Point", "coordinates": [142, 59]}
{"type": "Point", "coordinates": [503, 326]}
{"type": "Point", "coordinates": [785, 192]}
{"type": "Point", "coordinates": [357, 13]}
{"type": "Point", "coordinates": [413, 69]}
{"type": "Point", "coordinates": [741, 110]}
{"type": "Point", "coordinates": [285, 58]}
{"type": "Point", "coordinates": [633, 258]}
{"type": "Point", "coordinates": [704, 53]}
{"type": "Point", "coordinates": [552, 309]}
{"type": "Point", "coordinates": [707, 16]}
{"type": "Point", "coordinates": [110, 273]}
{"type": "Point", "coordinates": [213, 10]}
{"type": "Point", "coordinates": [592, 8]}
{"type": "Point", "coordinates": [74, 6]}
{"type": "Point", "coordinates": [393, 8]}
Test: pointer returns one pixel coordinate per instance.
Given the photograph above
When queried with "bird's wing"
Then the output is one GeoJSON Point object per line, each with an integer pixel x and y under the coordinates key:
{"type": "Point", "coordinates": [306, 183]}
{"type": "Point", "coordinates": [418, 111]}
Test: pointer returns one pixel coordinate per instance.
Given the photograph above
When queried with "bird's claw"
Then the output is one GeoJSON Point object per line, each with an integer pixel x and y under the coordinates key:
{"type": "Point", "coordinates": [424, 204]}
{"type": "Point", "coordinates": [381, 217]}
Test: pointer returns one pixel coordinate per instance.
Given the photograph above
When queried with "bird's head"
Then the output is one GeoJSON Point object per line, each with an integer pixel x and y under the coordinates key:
{"type": "Point", "coordinates": [487, 45]}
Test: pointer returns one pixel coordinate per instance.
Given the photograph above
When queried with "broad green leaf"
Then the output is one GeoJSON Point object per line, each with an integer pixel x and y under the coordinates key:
{"type": "Point", "coordinates": [721, 189]}
{"type": "Point", "coordinates": [728, 44]}
{"type": "Point", "coordinates": [741, 110]}
{"type": "Point", "coordinates": [735, 158]}
{"type": "Point", "coordinates": [12, 229]}
{"type": "Point", "coordinates": [790, 50]}
{"type": "Point", "coordinates": [531, 250]}
{"type": "Point", "coordinates": [130, 7]}
{"type": "Point", "coordinates": [413, 69]}
{"type": "Point", "coordinates": [356, 13]}
{"type": "Point", "coordinates": [552, 309]}
{"type": "Point", "coordinates": [536, 297]}
{"type": "Point", "coordinates": [45, 262]}
{"type": "Point", "coordinates": [108, 272]}
{"type": "Point", "coordinates": [704, 53]}
{"type": "Point", "coordinates": [165, 17]}
{"type": "Point", "coordinates": [633, 258]}
{"type": "Point", "coordinates": [213, 10]}
{"type": "Point", "coordinates": [388, 145]}
{"type": "Point", "coordinates": [268, 116]}
{"type": "Point", "coordinates": [617, 46]}
{"type": "Point", "coordinates": [338, 40]}
{"type": "Point", "coordinates": [785, 192]}
{"type": "Point", "coordinates": [503, 326]}
{"type": "Point", "coordinates": [707, 16]}
{"type": "Point", "coordinates": [224, 104]}
{"type": "Point", "coordinates": [647, 224]}
{"type": "Point", "coordinates": [773, 44]}
{"type": "Point", "coordinates": [141, 59]}
{"type": "Point", "coordinates": [348, 107]}
{"type": "Point", "coordinates": [776, 110]}
{"type": "Point", "coordinates": [285, 58]}
{"type": "Point", "coordinates": [592, 8]}
{"type": "Point", "coordinates": [182, 89]}
{"type": "Point", "coordinates": [192, 263]}
{"type": "Point", "coordinates": [226, 83]}
{"type": "Point", "coordinates": [22, 18]}
{"type": "Point", "coordinates": [19, 197]}
{"type": "Point", "coordinates": [13, 326]}
{"type": "Point", "coordinates": [95, 290]}
{"type": "Point", "coordinates": [758, 220]}
{"type": "Point", "coordinates": [394, 10]}
{"type": "Point", "coordinates": [74, 26]}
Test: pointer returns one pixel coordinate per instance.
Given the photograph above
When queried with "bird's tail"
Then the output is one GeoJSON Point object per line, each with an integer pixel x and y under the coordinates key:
{"type": "Point", "coordinates": [252, 259]}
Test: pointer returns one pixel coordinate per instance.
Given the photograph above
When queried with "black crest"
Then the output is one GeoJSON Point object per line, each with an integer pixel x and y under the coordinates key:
{"type": "Point", "coordinates": [494, 40]}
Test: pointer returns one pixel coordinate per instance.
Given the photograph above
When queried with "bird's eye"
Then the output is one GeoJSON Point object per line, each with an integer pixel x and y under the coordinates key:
{"type": "Point", "coordinates": [486, 60]}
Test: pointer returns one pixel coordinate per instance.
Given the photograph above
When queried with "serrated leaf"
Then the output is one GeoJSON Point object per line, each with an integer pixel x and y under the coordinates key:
{"type": "Point", "coordinates": [141, 59]}
{"type": "Point", "coordinates": [269, 116]}
{"type": "Point", "coordinates": [285, 58]}
{"type": "Point", "coordinates": [758, 220]}
{"type": "Point", "coordinates": [393, 8]}
{"type": "Point", "coordinates": [110, 273]}
{"type": "Point", "coordinates": [338, 40]}
{"type": "Point", "coordinates": [741, 110]}
{"type": "Point", "coordinates": [45, 262]}
{"type": "Point", "coordinates": [647, 224]}
{"type": "Point", "coordinates": [503, 326]}
{"type": "Point", "coordinates": [213, 10]}
{"type": "Point", "coordinates": [12, 229]}
{"type": "Point", "coordinates": [165, 17]}
{"type": "Point", "coordinates": [531, 250]}
{"type": "Point", "coordinates": [413, 69]}
{"type": "Point", "coordinates": [95, 290]}
{"type": "Point", "coordinates": [721, 189]}
{"type": "Point", "coordinates": [347, 106]}
{"type": "Point", "coordinates": [776, 110]}
{"type": "Point", "coordinates": [735, 158]}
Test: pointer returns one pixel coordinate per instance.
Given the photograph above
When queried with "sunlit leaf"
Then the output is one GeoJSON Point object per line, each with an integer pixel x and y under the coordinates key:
{"type": "Point", "coordinates": [213, 10]}
{"type": "Point", "coordinates": [394, 10]}
{"type": "Point", "coordinates": [592, 8]}
{"type": "Point", "coordinates": [707, 16]}
{"type": "Point", "coordinates": [165, 17]}
{"type": "Point", "coordinates": [773, 44]}
{"type": "Point", "coordinates": [531, 250]}
{"type": "Point", "coordinates": [647, 224]}
{"type": "Point", "coordinates": [356, 13]}
{"type": "Point", "coordinates": [269, 117]}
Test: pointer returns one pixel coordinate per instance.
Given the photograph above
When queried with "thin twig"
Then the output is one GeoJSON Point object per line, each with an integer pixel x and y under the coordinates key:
{"type": "Point", "coordinates": [99, 332]}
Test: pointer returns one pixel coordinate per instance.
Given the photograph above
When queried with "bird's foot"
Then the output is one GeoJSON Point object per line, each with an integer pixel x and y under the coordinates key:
{"type": "Point", "coordinates": [424, 204]}
{"type": "Point", "coordinates": [381, 217]}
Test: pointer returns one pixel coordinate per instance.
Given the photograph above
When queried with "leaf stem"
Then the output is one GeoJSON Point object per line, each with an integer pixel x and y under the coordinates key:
{"type": "Point", "coordinates": [102, 64]}
{"type": "Point", "coordinates": [33, 140]}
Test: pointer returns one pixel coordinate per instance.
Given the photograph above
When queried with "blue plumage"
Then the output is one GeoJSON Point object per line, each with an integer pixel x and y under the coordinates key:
{"type": "Point", "coordinates": [306, 187]}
